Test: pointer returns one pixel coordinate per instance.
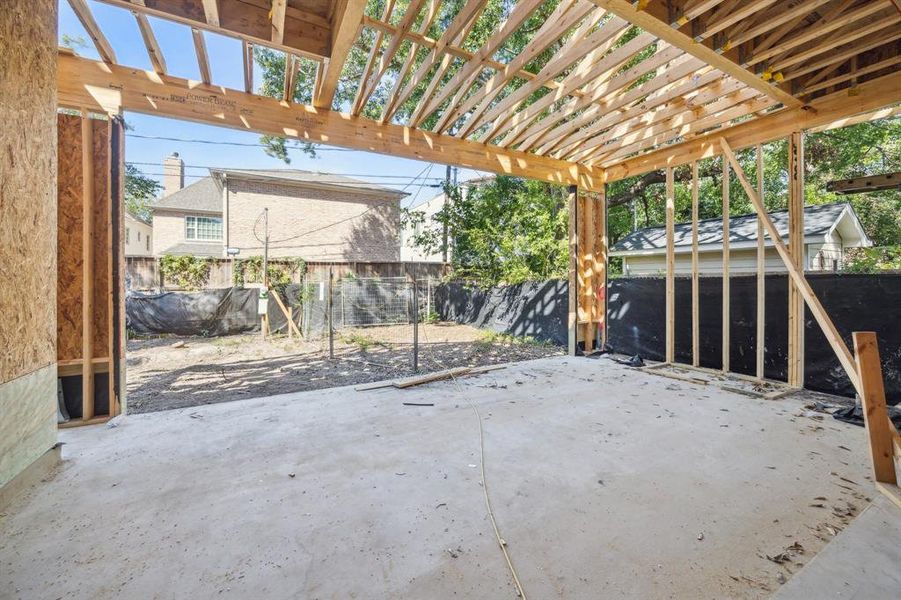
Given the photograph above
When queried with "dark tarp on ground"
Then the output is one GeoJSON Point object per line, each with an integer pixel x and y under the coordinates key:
{"type": "Point", "coordinates": [206, 313]}
{"type": "Point", "coordinates": [854, 303]}
{"type": "Point", "coordinates": [534, 308]}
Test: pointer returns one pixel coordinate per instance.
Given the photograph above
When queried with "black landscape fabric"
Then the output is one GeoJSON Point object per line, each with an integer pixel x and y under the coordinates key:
{"type": "Point", "coordinates": [210, 313]}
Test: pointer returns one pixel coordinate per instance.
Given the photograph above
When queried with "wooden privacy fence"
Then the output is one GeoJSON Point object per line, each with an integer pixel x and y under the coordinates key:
{"type": "Point", "coordinates": [143, 273]}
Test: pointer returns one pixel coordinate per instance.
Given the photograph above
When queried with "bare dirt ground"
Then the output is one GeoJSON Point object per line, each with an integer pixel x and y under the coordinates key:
{"type": "Point", "coordinates": [177, 372]}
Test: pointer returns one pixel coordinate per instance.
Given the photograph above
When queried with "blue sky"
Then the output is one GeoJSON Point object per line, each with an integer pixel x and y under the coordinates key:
{"type": "Point", "coordinates": [147, 154]}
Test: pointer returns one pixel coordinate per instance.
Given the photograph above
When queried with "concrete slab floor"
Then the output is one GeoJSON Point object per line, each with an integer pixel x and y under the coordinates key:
{"type": "Point", "coordinates": [606, 483]}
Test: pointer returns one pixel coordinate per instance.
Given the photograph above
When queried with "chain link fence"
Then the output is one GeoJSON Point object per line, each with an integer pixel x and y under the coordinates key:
{"type": "Point", "coordinates": [369, 313]}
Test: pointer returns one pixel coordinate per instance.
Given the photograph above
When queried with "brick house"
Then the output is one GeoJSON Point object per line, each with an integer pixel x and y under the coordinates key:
{"type": "Point", "coordinates": [315, 216]}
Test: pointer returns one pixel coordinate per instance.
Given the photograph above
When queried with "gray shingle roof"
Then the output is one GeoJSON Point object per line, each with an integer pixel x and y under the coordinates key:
{"type": "Point", "coordinates": [818, 219]}
{"type": "Point", "coordinates": [315, 177]}
{"type": "Point", "coordinates": [197, 249]}
{"type": "Point", "coordinates": [201, 196]}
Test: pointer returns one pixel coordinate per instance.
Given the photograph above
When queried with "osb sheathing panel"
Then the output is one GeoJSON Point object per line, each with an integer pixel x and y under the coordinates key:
{"type": "Point", "coordinates": [27, 186]}
{"type": "Point", "coordinates": [71, 242]}
{"type": "Point", "coordinates": [69, 249]}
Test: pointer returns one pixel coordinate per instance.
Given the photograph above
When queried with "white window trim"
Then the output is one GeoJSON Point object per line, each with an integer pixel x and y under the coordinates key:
{"type": "Point", "coordinates": [199, 239]}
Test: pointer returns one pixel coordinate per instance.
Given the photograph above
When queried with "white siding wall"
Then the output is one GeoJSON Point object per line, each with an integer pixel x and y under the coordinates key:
{"type": "Point", "coordinates": [138, 237]}
{"type": "Point", "coordinates": [709, 263]}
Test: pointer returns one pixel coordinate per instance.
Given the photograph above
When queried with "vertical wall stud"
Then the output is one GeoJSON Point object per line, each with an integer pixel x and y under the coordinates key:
{"type": "Point", "coordinates": [761, 272]}
{"type": "Point", "coordinates": [726, 299]}
{"type": "Point", "coordinates": [87, 268]}
{"type": "Point", "coordinates": [695, 275]}
{"type": "Point", "coordinates": [573, 320]}
{"type": "Point", "coordinates": [670, 267]}
{"type": "Point", "coordinates": [600, 259]}
{"type": "Point", "coordinates": [796, 250]}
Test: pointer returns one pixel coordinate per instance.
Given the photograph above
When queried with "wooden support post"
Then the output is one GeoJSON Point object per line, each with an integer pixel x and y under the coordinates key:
{"type": "Point", "coordinates": [291, 323]}
{"type": "Point", "coordinates": [695, 275]}
{"type": "Point", "coordinates": [586, 257]}
{"type": "Point", "coordinates": [600, 264]}
{"type": "Point", "coordinates": [573, 318]}
{"type": "Point", "coordinates": [727, 321]}
{"type": "Point", "coordinates": [797, 277]}
{"type": "Point", "coordinates": [761, 273]}
{"type": "Point", "coordinates": [670, 267]}
{"type": "Point", "coordinates": [112, 351]}
{"type": "Point", "coordinates": [87, 264]}
{"type": "Point", "coordinates": [796, 251]}
{"type": "Point", "coordinates": [875, 414]}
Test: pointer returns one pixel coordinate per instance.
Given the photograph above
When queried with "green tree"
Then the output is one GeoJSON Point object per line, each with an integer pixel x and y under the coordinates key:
{"type": "Point", "coordinates": [140, 191]}
{"type": "Point", "coordinates": [506, 230]}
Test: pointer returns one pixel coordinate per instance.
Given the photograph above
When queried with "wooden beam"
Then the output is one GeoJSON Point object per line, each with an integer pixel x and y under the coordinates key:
{"type": "Point", "coordinates": [602, 258]}
{"type": "Point", "coordinates": [761, 273]}
{"type": "Point", "coordinates": [819, 313]}
{"type": "Point", "coordinates": [471, 69]}
{"type": "Point", "coordinates": [290, 78]}
{"type": "Point", "coordinates": [247, 20]}
{"type": "Point", "coordinates": [695, 274]}
{"type": "Point", "coordinates": [868, 97]}
{"type": "Point", "coordinates": [573, 295]}
{"type": "Point", "coordinates": [361, 96]}
{"type": "Point", "coordinates": [394, 44]}
{"type": "Point", "coordinates": [153, 47]}
{"type": "Point", "coordinates": [796, 252]}
{"type": "Point", "coordinates": [277, 15]}
{"type": "Point", "coordinates": [727, 303]}
{"type": "Point", "coordinates": [827, 83]}
{"type": "Point", "coordinates": [106, 88]}
{"type": "Point", "coordinates": [869, 183]}
{"type": "Point", "coordinates": [345, 27]}
{"type": "Point", "coordinates": [87, 267]}
{"type": "Point", "coordinates": [247, 55]}
{"type": "Point", "coordinates": [84, 14]}
{"type": "Point", "coordinates": [670, 268]}
{"type": "Point", "coordinates": [675, 37]}
{"type": "Point", "coordinates": [211, 12]}
{"type": "Point", "coordinates": [203, 61]}
{"type": "Point", "coordinates": [872, 399]}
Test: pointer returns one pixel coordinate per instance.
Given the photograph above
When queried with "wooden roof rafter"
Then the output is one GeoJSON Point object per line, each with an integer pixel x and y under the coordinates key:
{"type": "Point", "coordinates": [601, 99]}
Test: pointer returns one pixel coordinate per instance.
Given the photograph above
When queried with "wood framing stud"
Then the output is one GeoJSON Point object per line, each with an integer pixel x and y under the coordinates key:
{"type": "Point", "coordinates": [796, 250]}
{"type": "Point", "coordinates": [573, 295]}
{"type": "Point", "coordinates": [695, 275]}
{"type": "Point", "coordinates": [727, 320]}
{"type": "Point", "coordinates": [761, 273]}
{"type": "Point", "coordinates": [87, 267]}
{"type": "Point", "coordinates": [819, 313]}
{"type": "Point", "coordinates": [872, 399]}
{"type": "Point", "coordinates": [670, 268]}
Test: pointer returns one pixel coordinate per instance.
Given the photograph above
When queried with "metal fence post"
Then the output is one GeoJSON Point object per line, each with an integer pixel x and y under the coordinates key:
{"type": "Point", "coordinates": [331, 329]}
{"type": "Point", "coordinates": [415, 325]}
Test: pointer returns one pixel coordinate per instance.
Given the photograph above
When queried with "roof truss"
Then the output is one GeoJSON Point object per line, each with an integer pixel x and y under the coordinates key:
{"type": "Point", "coordinates": [578, 84]}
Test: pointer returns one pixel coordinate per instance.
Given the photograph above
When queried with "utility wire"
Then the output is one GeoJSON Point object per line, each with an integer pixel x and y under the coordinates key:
{"type": "Point", "coordinates": [223, 143]}
{"type": "Point", "coordinates": [376, 175]}
{"type": "Point", "coordinates": [371, 208]}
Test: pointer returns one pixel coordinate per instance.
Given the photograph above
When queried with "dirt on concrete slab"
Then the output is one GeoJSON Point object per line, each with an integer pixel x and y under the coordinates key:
{"type": "Point", "coordinates": [177, 372]}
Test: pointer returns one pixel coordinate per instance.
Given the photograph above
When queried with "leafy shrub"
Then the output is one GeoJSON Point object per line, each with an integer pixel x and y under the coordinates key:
{"type": "Point", "coordinates": [872, 260]}
{"type": "Point", "coordinates": [281, 271]}
{"type": "Point", "coordinates": [188, 271]}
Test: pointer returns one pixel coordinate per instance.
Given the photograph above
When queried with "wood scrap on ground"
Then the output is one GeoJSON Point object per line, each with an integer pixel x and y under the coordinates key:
{"type": "Point", "coordinates": [429, 377]}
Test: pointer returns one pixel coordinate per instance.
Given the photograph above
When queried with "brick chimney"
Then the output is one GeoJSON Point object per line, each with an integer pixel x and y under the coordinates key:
{"type": "Point", "coordinates": [173, 174]}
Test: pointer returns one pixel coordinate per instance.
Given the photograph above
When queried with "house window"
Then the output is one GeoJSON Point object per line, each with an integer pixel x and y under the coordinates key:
{"type": "Point", "coordinates": [203, 229]}
{"type": "Point", "coordinates": [139, 236]}
{"type": "Point", "coordinates": [127, 236]}
{"type": "Point", "coordinates": [148, 243]}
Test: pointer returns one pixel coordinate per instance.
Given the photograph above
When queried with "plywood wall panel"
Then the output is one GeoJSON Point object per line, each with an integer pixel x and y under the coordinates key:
{"type": "Point", "coordinates": [69, 248]}
{"type": "Point", "coordinates": [27, 186]}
